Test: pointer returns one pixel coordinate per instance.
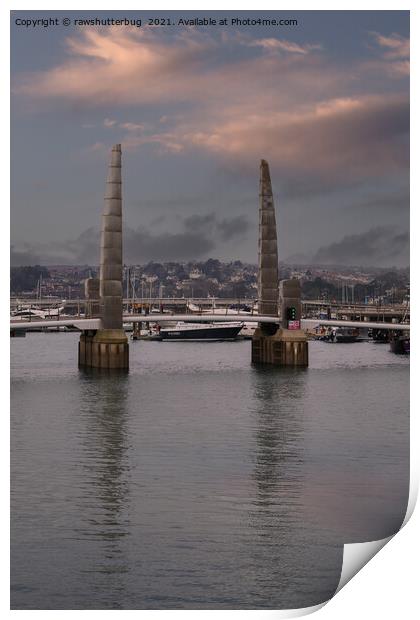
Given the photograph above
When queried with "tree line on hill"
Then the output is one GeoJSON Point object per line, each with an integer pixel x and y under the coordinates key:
{"type": "Point", "coordinates": [27, 278]}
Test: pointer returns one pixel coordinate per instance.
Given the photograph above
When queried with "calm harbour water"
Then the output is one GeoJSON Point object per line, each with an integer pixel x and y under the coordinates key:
{"type": "Point", "coordinates": [199, 480]}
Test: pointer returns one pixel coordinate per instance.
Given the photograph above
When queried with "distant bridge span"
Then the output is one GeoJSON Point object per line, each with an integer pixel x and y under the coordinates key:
{"type": "Point", "coordinates": [81, 324]}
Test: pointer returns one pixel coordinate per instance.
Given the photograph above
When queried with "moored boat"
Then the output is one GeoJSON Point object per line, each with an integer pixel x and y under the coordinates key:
{"type": "Point", "coordinates": [29, 313]}
{"type": "Point", "coordinates": [400, 342]}
{"type": "Point", "coordinates": [204, 331]}
{"type": "Point", "coordinates": [17, 333]}
{"type": "Point", "coordinates": [379, 335]}
{"type": "Point", "coordinates": [248, 330]}
{"type": "Point", "coordinates": [346, 334]}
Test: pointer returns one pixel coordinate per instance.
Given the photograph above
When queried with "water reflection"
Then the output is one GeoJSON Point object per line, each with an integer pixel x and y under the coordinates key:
{"type": "Point", "coordinates": [105, 479]}
{"type": "Point", "coordinates": [199, 481]}
{"type": "Point", "coordinates": [278, 454]}
{"type": "Point", "coordinates": [286, 541]}
{"type": "Point", "coordinates": [356, 454]}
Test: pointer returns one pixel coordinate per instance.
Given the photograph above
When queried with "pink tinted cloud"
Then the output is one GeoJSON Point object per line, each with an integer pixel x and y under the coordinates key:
{"type": "Point", "coordinates": [285, 46]}
{"type": "Point", "coordinates": [165, 142]}
{"type": "Point", "coordinates": [395, 54]}
{"type": "Point", "coordinates": [132, 126]}
{"type": "Point", "coordinates": [121, 66]}
{"type": "Point", "coordinates": [302, 110]}
{"type": "Point", "coordinates": [395, 45]}
{"type": "Point", "coordinates": [133, 67]}
{"type": "Point", "coordinates": [356, 136]}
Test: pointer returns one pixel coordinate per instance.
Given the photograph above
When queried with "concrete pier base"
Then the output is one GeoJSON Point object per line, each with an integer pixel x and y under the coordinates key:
{"type": "Point", "coordinates": [283, 348]}
{"type": "Point", "coordinates": [85, 349]}
{"type": "Point", "coordinates": [107, 349]}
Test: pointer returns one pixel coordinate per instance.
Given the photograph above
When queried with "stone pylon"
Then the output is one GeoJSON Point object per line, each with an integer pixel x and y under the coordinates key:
{"type": "Point", "coordinates": [268, 277]}
{"type": "Point", "coordinates": [110, 278]}
{"type": "Point", "coordinates": [284, 344]}
{"type": "Point", "coordinates": [108, 348]}
{"type": "Point", "coordinates": [92, 308]}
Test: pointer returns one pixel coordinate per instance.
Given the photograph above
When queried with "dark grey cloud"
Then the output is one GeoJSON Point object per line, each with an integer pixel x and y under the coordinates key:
{"type": "Point", "coordinates": [233, 228]}
{"type": "Point", "coordinates": [141, 245]}
{"type": "Point", "coordinates": [82, 250]}
{"type": "Point", "coordinates": [159, 219]}
{"type": "Point", "coordinates": [200, 234]}
{"type": "Point", "coordinates": [226, 229]}
{"type": "Point", "coordinates": [200, 223]}
{"type": "Point", "coordinates": [397, 201]}
{"type": "Point", "coordinates": [380, 246]}
{"type": "Point", "coordinates": [86, 246]}
{"type": "Point", "coordinates": [176, 200]}
{"type": "Point", "coordinates": [19, 258]}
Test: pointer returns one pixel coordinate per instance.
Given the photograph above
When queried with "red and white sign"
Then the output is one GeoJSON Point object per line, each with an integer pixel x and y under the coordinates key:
{"type": "Point", "coordinates": [293, 325]}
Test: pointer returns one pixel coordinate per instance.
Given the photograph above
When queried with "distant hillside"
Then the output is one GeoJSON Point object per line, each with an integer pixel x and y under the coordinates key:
{"type": "Point", "coordinates": [26, 278]}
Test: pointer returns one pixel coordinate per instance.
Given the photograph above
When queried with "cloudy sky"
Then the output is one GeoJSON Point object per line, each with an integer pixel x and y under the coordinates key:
{"type": "Point", "coordinates": [326, 102]}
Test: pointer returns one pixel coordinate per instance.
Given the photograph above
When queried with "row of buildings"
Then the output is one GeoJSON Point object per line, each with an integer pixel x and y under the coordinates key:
{"type": "Point", "coordinates": [213, 278]}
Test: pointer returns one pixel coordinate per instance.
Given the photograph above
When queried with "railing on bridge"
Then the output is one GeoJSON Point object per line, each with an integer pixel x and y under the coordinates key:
{"type": "Point", "coordinates": [95, 323]}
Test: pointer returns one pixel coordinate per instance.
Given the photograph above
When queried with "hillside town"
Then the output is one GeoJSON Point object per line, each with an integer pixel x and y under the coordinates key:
{"type": "Point", "coordinates": [213, 278]}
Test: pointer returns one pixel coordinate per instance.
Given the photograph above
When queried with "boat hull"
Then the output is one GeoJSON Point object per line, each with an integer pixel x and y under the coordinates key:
{"type": "Point", "coordinates": [400, 345]}
{"type": "Point", "coordinates": [380, 335]}
{"type": "Point", "coordinates": [202, 333]}
{"type": "Point", "coordinates": [346, 338]}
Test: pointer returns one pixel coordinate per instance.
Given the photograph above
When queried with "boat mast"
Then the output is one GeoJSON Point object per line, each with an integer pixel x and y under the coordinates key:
{"type": "Point", "coordinates": [128, 285]}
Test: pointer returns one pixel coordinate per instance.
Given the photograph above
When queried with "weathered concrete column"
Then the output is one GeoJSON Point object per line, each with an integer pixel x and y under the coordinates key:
{"type": "Point", "coordinates": [284, 345]}
{"type": "Point", "coordinates": [268, 276]}
{"type": "Point", "coordinates": [92, 307]}
{"type": "Point", "coordinates": [109, 345]}
{"type": "Point", "coordinates": [292, 344]}
{"type": "Point", "coordinates": [110, 279]}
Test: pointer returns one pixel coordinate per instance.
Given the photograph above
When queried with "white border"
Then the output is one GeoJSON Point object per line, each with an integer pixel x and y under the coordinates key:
{"type": "Point", "coordinates": [387, 586]}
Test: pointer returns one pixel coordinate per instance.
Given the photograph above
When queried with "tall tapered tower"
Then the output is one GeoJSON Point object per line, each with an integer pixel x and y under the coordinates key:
{"type": "Point", "coordinates": [281, 343]}
{"type": "Point", "coordinates": [110, 287]}
{"type": "Point", "coordinates": [268, 277]}
{"type": "Point", "coordinates": [108, 347]}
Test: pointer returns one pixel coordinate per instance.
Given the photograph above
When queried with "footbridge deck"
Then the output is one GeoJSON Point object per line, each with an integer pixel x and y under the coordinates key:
{"type": "Point", "coordinates": [95, 324]}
